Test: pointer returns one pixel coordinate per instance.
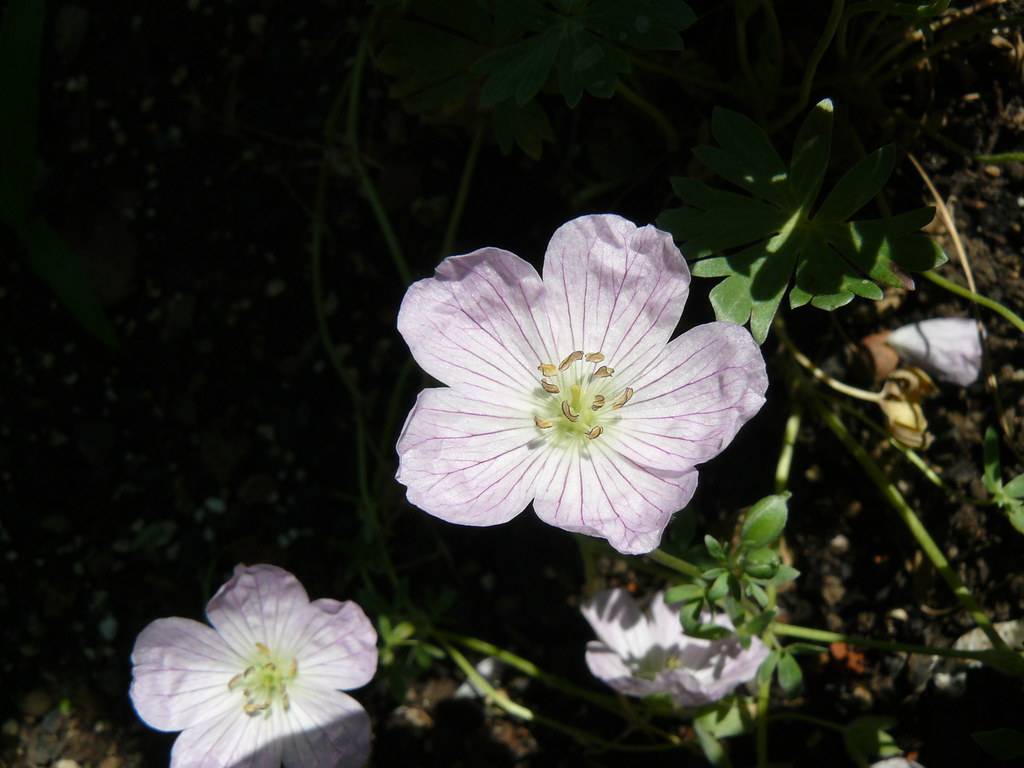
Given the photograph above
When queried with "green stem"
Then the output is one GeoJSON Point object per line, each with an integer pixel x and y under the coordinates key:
{"type": "Point", "coordinates": [977, 298]}
{"type": "Point", "coordinates": [352, 136]}
{"type": "Point", "coordinates": [782, 468]}
{"type": "Point", "coordinates": [910, 519]}
{"type": "Point", "coordinates": [502, 700]}
{"type": "Point", "coordinates": [676, 564]}
{"type": "Point", "coordinates": [463, 192]}
{"type": "Point", "coordinates": [798, 718]}
{"type": "Point", "coordinates": [831, 24]}
{"type": "Point", "coordinates": [656, 115]}
{"type": "Point", "coordinates": [823, 636]}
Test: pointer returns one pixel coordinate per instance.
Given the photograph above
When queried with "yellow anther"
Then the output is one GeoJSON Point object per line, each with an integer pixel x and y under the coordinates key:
{"type": "Point", "coordinates": [622, 399]}
{"type": "Point", "coordinates": [594, 357]}
{"type": "Point", "coordinates": [595, 432]}
{"type": "Point", "coordinates": [542, 423]}
{"type": "Point", "coordinates": [574, 357]}
{"type": "Point", "coordinates": [262, 649]}
{"type": "Point", "coordinates": [547, 369]}
{"type": "Point", "coordinates": [603, 372]}
{"type": "Point", "coordinates": [235, 681]}
{"type": "Point", "coordinates": [567, 411]}
{"type": "Point", "coordinates": [598, 403]}
{"type": "Point", "coordinates": [285, 702]}
{"type": "Point", "coordinates": [294, 668]}
{"type": "Point", "coordinates": [548, 387]}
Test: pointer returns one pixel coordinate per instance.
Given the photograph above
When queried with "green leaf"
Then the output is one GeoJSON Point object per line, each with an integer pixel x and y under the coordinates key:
{"type": "Point", "coordinates": [714, 547]}
{"type": "Point", "coordinates": [710, 746]}
{"type": "Point", "coordinates": [805, 648]}
{"type": "Point", "coordinates": [759, 623]}
{"type": "Point", "coordinates": [744, 139]}
{"type": "Point", "coordinates": [1001, 743]}
{"type": "Point", "coordinates": [757, 594]}
{"type": "Point", "coordinates": [52, 260]}
{"type": "Point", "coordinates": [866, 738]}
{"type": "Point", "coordinates": [770, 280]}
{"type": "Point", "coordinates": [1015, 488]}
{"type": "Point", "coordinates": [21, 39]}
{"type": "Point", "coordinates": [1016, 515]}
{"type": "Point", "coordinates": [767, 668]}
{"type": "Point", "coordinates": [784, 574]}
{"type": "Point", "coordinates": [789, 674]}
{"type": "Point", "coordinates": [810, 154]}
{"type": "Point", "coordinates": [643, 24]}
{"type": "Point", "coordinates": [719, 588]}
{"type": "Point", "coordinates": [527, 127]}
{"type": "Point", "coordinates": [993, 473]}
{"type": "Point", "coordinates": [858, 185]}
{"type": "Point", "coordinates": [765, 521]}
{"type": "Point", "coordinates": [689, 616]}
{"type": "Point", "coordinates": [520, 70]}
{"type": "Point", "coordinates": [684, 593]}
{"type": "Point", "coordinates": [588, 63]}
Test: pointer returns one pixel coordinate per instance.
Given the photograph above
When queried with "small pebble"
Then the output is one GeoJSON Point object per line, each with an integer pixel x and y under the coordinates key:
{"type": "Point", "coordinates": [994, 171]}
{"type": "Point", "coordinates": [65, 762]}
{"type": "Point", "coordinates": [112, 762]}
{"type": "Point", "coordinates": [839, 544]}
{"type": "Point", "coordinates": [898, 614]}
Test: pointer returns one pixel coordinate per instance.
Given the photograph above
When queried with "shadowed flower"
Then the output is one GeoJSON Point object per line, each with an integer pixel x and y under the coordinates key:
{"type": "Point", "coordinates": [566, 390]}
{"type": "Point", "coordinates": [262, 685]}
{"type": "Point", "coordinates": [645, 653]}
{"type": "Point", "coordinates": [948, 347]}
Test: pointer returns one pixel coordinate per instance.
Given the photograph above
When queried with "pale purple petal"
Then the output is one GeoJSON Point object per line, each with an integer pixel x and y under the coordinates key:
{"type": "Point", "coordinates": [328, 729]}
{"type": "Point", "coordinates": [691, 402]}
{"type": "Point", "coordinates": [259, 604]}
{"type": "Point", "coordinates": [726, 665]}
{"type": "Point", "coordinates": [617, 620]}
{"type": "Point", "coordinates": [948, 347]}
{"type": "Point", "coordinates": [180, 675]}
{"type": "Point", "coordinates": [600, 493]}
{"type": "Point", "coordinates": [467, 460]}
{"type": "Point", "coordinates": [614, 288]}
{"type": "Point", "coordinates": [665, 629]}
{"type": "Point", "coordinates": [479, 324]}
{"type": "Point", "coordinates": [608, 667]}
{"type": "Point", "coordinates": [337, 647]}
{"type": "Point", "coordinates": [232, 740]}
{"type": "Point", "coordinates": [896, 762]}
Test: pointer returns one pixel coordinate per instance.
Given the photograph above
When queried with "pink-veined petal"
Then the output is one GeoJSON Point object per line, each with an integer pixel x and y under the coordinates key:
{"type": "Point", "coordinates": [607, 666]}
{"type": "Point", "coordinates": [180, 675]}
{"type": "Point", "coordinates": [726, 665]}
{"type": "Point", "coordinates": [258, 604]}
{"type": "Point", "coordinates": [691, 402]}
{"type": "Point", "coordinates": [948, 347]}
{"type": "Point", "coordinates": [327, 729]}
{"type": "Point", "coordinates": [598, 492]}
{"type": "Point", "coordinates": [618, 622]}
{"type": "Point", "coordinates": [468, 460]}
{"type": "Point", "coordinates": [232, 740]}
{"type": "Point", "coordinates": [479, 324]}
{"type": "Point", "coordinates": [614, 288]}
{"type": "Point", "coordinates": [337, 647]}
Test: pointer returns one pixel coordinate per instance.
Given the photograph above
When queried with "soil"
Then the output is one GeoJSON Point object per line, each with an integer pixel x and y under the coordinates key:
{"type": "Point", "coordinates": [180, 148]}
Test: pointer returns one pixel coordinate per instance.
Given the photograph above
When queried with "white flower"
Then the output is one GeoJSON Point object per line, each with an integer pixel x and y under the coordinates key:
{"type": "Point", "coordinates": [261, 686]}
{"type": "Point", "coordinates": [948, 347]}
{"type": "Point", "coordinates": [640, 654]}
{"type": "Point", "coordinates": [566, 391]}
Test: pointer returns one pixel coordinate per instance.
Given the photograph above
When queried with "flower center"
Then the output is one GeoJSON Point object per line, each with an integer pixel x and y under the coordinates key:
{"type": "Point", "coordinates": [265, 682]}
{"type": "Point", "coordinates": [654, 661]}
{"type": "Point", "coordinates": [579, 397]}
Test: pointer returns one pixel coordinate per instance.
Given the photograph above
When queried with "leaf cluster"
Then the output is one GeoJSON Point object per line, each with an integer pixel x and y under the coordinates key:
{"type": "Point", "coordinates": [500, 54]}
{"type": "Point", "coordinates": [1009, 496]}
{"type": "Point", "coordinates": [778, 235]}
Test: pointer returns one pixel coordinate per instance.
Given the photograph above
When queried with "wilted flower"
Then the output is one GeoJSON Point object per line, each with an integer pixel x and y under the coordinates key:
{"type": "Point", "coordinates": [566, 390]}
{"type": "Point", "coordinates": [948, 347]}
{"type": "Point", "coordinates": [261, 686]}
{"type": "Point", "coordinates": [640, 654]}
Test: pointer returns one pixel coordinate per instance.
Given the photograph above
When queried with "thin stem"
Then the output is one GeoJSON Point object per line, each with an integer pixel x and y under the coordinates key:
{"type": "Point", "coordinates": [683, 78]}
{"type": "Point", "coordinates": [352, 136]}
{"type": "Point", "coordinates": [502, 700]}
{"type": "Point", "coordinates": [977, 298]}
{"type": "Point", "coordinates": [463, 192]}
{"type": "Point", "coordinates": [785, 462]}
{"type": "Point", "coordinates": [799, 718]}
{"type": "Point", "coordinates": [676, 564]}
{"type": "Point", "coordinates": [831, 24]}
{"type": "Point", "coordinates": [651, 111]}
{"type": "Point", "coordinates": [911, 520]}
{"type": "Point", "coordinates": [820, 375]}
{"type": "Point", "coordinates": [823, 636]}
